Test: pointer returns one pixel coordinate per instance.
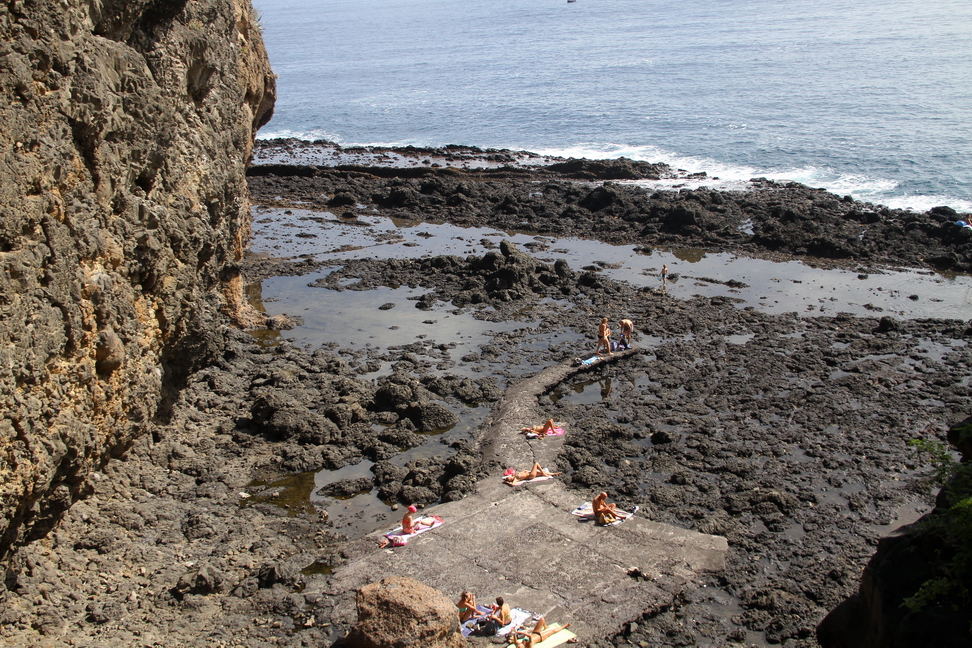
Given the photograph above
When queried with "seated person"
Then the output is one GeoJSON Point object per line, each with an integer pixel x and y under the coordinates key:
{"type": "Point", "coordinates": [467, 606]}
{"type": "Point", "coordinates": [531, 638]}
{"type": "Point", "coordinates": [490, 624]}
{"type": "Point", "coordinates": [606, 513]}
{"type": "Point", "coordinates": [543, 429]}
{"type": "Point", "coordinates": [410, 526]}
{"type": "Point", "coordinates": [513, 477]}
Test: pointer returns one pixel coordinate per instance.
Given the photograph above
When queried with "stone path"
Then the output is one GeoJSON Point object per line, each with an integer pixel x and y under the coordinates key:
{"type": "Point", "coordinates": [522, 543]}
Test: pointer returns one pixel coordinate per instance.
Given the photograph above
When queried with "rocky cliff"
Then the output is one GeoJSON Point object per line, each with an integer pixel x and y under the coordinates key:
{"type": "Point", "coordinates": [914, 591]}
{"type": "Point", "coordinates": [126, 129]}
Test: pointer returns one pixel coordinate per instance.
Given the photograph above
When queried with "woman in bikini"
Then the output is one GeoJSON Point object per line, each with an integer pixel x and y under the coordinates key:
{"type": "Point", "coordinates": [604, 337]}
{"type": "Point", "coordinates": [512, 477]}
{"type": "Point", "coordinates": [410, 526]}
{"type": "Point", "coordinates": [539, 633]}
{"type": "Point", "coordinates": [467, 606]}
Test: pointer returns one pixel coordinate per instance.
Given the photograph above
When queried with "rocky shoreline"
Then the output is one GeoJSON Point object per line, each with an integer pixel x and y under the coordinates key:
{"type": "Point", "coordinates": [786, 435]}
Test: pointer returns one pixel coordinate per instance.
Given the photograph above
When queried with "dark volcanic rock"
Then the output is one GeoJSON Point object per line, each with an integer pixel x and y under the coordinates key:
{"type": "Point", "coordinates": [564, 199]}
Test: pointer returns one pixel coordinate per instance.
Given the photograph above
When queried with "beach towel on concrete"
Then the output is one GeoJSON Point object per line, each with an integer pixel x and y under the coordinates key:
{"type": "Point", "coordinates": [586, 511]}
{"type": "Point", "coordinates": [528, 481]}
{"type": "Point", "coordinates": [397, 533]}
{"type": "Point", "coordinates": [562, 636]}
{"type": "Point", "coordinates": [470, 625]}
{"type": "Point", "coordinates": [557, 431]}
{"type": "Point", "coordinates": [518, 616]}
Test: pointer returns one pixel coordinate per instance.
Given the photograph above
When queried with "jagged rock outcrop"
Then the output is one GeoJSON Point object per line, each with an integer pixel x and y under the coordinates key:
{"type": "Point", "coordinates": [127, 128]}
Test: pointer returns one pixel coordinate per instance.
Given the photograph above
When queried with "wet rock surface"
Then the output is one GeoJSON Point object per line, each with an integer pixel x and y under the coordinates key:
{"type": "Point", "coordinates": [587, 199]}
{"type": "Point", "coordinates": [786, 435]}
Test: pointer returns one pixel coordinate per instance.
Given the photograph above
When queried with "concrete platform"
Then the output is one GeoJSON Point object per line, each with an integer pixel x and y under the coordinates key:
{"type": "Point", "coordinates": [523, 544]}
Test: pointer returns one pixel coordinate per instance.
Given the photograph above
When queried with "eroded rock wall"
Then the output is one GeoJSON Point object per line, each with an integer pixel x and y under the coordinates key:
{"type": "Point", "coordinates": [126, 130]}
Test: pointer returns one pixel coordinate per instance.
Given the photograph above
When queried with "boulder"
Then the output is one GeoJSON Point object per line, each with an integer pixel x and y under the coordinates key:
{"type": "Point", "coordinates": [346, 487]}
{"type": "Point", "coordinates": [203, 580]}
{"type": "Point", "coordinates": [429, 417]}
{"type": "Point", "coordinates": [399, 612]}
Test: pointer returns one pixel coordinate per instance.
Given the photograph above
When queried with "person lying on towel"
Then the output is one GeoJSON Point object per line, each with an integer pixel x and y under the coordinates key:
{"type": "Point", "coordinates": [543, 429]}
{"type": "Point", "coordinates": [530, 638]}
{"type": "Point", "coordinates": [512, 477]}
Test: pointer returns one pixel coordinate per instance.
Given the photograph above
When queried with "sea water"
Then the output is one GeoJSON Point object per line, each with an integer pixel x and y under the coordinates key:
{"type": "Point", "coordinates": [870, 99]}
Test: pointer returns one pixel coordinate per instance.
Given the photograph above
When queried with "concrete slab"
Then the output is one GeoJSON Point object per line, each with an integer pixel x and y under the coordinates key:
{"type": "Point", "coordinates": [523, 543]}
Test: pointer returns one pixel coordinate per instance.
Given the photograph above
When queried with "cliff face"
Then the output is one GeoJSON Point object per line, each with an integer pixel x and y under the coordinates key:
{"type": "Point", "coordinates": [126, 129]}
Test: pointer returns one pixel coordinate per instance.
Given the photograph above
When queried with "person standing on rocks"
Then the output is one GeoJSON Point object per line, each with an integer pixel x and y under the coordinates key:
{"type": "Point", "coordinates": [664, 275]}
{"type": "Point", "coordinates": [604, 337]}
{"type": "Point", "coordinates": [627, 328]}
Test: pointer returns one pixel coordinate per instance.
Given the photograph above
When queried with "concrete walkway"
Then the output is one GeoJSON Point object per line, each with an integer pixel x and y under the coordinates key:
{"type": "Point", "coordinates": [523, 544]}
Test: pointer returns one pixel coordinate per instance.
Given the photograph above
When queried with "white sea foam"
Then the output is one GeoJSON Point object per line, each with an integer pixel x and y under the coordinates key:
{"type": "Point", "coordinates": [720, 175]}
{"type": "Point", "coordinates": [311, 135]}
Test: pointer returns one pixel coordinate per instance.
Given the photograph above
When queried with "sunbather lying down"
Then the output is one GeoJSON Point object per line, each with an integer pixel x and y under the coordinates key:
{"type": "Point", "coordinates": [543, 429]}
{"type": "Point", "coordinates": [513, 477]}
{"type": "Point", "coordinates": [530, 638]}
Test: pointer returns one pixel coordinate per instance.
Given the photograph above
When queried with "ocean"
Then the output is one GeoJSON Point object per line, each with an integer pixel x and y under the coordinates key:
{"type": "Point", "coordinates": [870, 99]}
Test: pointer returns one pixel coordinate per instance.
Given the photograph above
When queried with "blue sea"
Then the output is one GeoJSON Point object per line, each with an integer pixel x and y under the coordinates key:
{"type": "Point", "coordinates": [870, 99]}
